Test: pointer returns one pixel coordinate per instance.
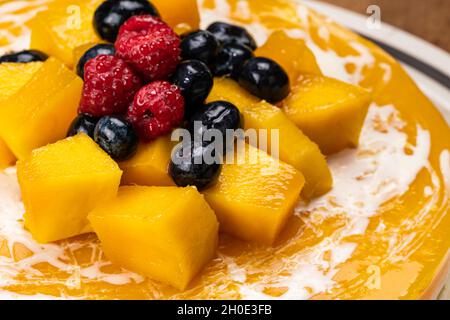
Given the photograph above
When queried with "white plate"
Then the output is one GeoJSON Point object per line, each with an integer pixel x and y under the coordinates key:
{"type": "Point", "coordinates": [428, 65]}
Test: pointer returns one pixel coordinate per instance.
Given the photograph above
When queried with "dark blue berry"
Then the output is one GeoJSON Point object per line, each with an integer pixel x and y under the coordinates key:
{"type": "Point", "coordinates": [99, 49]}
{"type": "Point", "coordinates": [189, 166]}
{"type": "Point", "coordinates": [265, 79]}
{"type": "Point", "coordinates": [195, 82]}
{"type": "Point", "coordinates": [112, 14]}
{"type": "Point", "coordinates": [84, 123]}
{"type": "Point", "coordinates": [116, 136]}
{"type": "Point", "coordinates": [199, 45]}
{"type": "Point", "coordinates": [228, 33]}
{"type": "Point", "coordinates": [230, 60]}
{"type": "Point", "coordinates": [220, 115]}
{"type": "Point", "coordinates": [24, 56]}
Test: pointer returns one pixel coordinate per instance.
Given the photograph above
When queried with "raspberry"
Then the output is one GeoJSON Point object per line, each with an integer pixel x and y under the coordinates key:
{"type": "Point", "coordinates": [109, 86]}
{"type": "Point", "coordinates": [156, 110]}
{"type": "Point", "coordinates": [150, 46]}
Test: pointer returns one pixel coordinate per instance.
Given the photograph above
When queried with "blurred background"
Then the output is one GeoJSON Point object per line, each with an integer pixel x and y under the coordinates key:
{"type": "Point", "coordinates": [427, 19]}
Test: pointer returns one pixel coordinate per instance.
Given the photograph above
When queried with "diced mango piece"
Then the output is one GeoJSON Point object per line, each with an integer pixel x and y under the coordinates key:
{"type": "Point", "coordinates": [328, 111]}
{"type": "Point", "coordinates": [254, 196]}
{"type": "Point", "coordinates": [149, 166]}
{"type": "Point", "coordinates": [166, 233]}
{"type": "Point", "coordinates": [229, 90]}
{"type": "Point", "coordinates": [41, 111]}
{"type": "Point", "coordinates": [7, 158]}
{"type": "Point", "coordinates": [295, 148]}
{"type": "Point", "coordinates": [61, 183]}
{"type": "Point", "coordinates": [292, 54]}
{"type": "Point", "coordinates": [182, 15]}
{"type": "Point", "coordinates": [13, 76]}
{"type": "Point", "coordinates": [64, 26]}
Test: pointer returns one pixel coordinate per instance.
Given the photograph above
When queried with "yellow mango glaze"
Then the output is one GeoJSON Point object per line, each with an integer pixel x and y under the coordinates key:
{"type": "Point", "coordinates": [381, 233]}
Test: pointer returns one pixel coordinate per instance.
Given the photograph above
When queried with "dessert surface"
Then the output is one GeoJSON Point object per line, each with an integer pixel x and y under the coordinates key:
{"type": "Point", "coordinates": [381, 232]}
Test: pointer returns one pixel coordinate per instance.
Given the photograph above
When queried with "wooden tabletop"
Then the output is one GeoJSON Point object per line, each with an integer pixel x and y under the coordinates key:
{"type": "Point", "coordinates": [429, 19]}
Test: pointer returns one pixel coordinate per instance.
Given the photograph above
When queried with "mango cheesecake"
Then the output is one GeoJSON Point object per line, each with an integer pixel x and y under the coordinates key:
{"type": "Point", "coordinates": [219, 149]}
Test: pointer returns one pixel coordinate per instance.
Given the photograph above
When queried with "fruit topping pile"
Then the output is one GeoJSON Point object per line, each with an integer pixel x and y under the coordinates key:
{"type": "Point", "coordinates": [144, 71]}
{"type": "Point", "coordinates": [156, 80]}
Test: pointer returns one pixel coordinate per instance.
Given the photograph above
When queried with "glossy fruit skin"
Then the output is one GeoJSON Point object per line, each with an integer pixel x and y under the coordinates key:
{"type": "Point", "coordinates": [220, 115]}
{"type": "Point", "coordinates": [157, 108]}
{"type": "Point", "coordinates": [228, 33]}
{"type": "Point", "coordinates": [99, 49]}
{"type": "Point", "coordinates": [150, 45]}
{"type": "Point", "coordinates": [112, 14]}
{"type": "Point", "coordinates": [191, 169]}
{"type": "Point", "coordinates": [24, 56]}
{"type": "Point", "coordinates": [265, 79]}
{"type": "Point", "coordinates": [109, 86]}
{"type": "Point", "coordinates": [83, 123]}
{"type": "Point", "coordinates": [195, 81]}
{"type": "Point", "coordinates": [116, 137]}
{"type": "Point", "coordinates": [200, 45]}
{"type": "Point", "coordinates": [230, 59]}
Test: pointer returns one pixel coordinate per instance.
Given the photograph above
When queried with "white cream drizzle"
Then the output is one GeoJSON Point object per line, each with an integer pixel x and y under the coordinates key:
{"type": "Point", "coordinates": [9, 13]}
{"type": "Point", "coordinates": [12, 228]}
{"type": "Point", "coordinates": [362, 184]}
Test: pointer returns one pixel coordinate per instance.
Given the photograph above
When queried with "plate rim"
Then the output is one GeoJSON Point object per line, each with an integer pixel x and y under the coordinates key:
{"type": "Point", "coordinates": [424, 61]}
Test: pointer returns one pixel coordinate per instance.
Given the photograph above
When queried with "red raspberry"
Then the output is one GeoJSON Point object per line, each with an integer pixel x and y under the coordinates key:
{"type": "Point", "coordinates": [109, 86]}
{"type": "Point", "coordinates": [156, 110]}
{"type": "Point", "coordinates": [150, 46]}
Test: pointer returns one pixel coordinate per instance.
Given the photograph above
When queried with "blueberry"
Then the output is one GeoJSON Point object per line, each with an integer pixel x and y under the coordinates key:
{"type": "Point", "coordinates": [189, 166]}
{"type": "Point", "coordinates": [24, 56]}
{"type": "Point", "coordinates": [84, 123]}
{"type": "Point", "coordinates": [265, 79]}
{"type": "Point", "coordinates": [112, 14]}
{"type": "Point", "coordinates": [220, 115]}
{"type": "Point", "coordinates": [116, 136]}
{"type": "Point", "coordinates": [99, 49]}
{"type": "Point", "coordinates": [195, 81]}
{"type": "Point", "coordinates": [200, 45]}
{"type": "Point", "coordinates": [230, 60]}
{"type": "Point", "coordinates": [228, 33]}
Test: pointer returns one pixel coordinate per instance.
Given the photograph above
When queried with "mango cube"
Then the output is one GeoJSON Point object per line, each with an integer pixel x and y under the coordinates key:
{"type": "Point", "coordinates": [13, 76]}
{"type": "Point", "coordinates": [295, 148]}
{"type": "Point", "coordinates": [61, 183]}
{"type": "Point", "coordinates": [42, 110]}
{"type": "Point", "coordinates": [328, 111]}
{"type": "Point", "coordinates": [148, 167]}
{"type": "Point", "coordinates": [182, 15]}
{"type": "Point", "coordinates": [65, 25]}
{"type": "Point", "coordinates": [166, 233]}
{"type": "Point", "coordinates": [7, 158]}
{"type": "Point", "coordinates": [255, 195]}
{"type": "Point", "coordinates": [292, 54]}
{"type": "Point", "coordinates": [229, 90]}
